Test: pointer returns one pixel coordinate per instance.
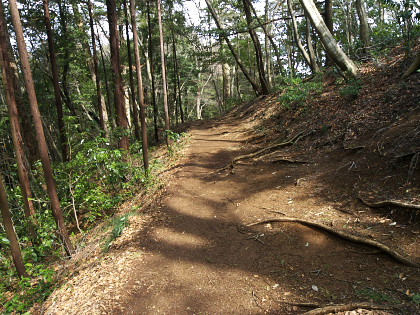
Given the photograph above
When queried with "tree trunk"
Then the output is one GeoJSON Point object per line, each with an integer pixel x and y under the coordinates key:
{"type": "Point", "coordinates": [56, 84]}
{"type": "Point", "coordinates": [312, 56]}
{"type": "Point", "coordinates": [144, 143]}
{"type": "Point", "coordinates": [66, 58]}
{"type": "Point", "coordinates": [328, 18]}
{"type": "Point", "coordinates": [270, 38]}
{"type": "Point", "coordinates": [265, 88]}
{"type": "Point", "coordinates": [296, 35]}
{"type": "Point", "coordinates": [165, 87]}
{"type": "Point", "coordinates": [103, 113]}
{"type": "Point", "coordinates": [131, 75]}
{"type": "Point", "coordinates": [152, 72]}
{"type": "Point", "coordinates": [330, 45]}
{"type": "Point", "coordinates": [111, 117]}
{"type": "Point", "coordinates": [122, 121]}
{"type": "Point", "coordinates": [414, 66]}
{"type": "Point", "coordinates": [10, 230]}
{"type": "Point", "coordinates": [364, 26]}
{"type": "Point", "coordinates": [42, 145]}
{"type": "Point", "coordinates": [8, 76]}
{"type": "Point", "coordinates": [226, 82]}
{"type": "Point", "coordinates": [177, 79]}
{"type": "Point", "coordinates": [257, 89]}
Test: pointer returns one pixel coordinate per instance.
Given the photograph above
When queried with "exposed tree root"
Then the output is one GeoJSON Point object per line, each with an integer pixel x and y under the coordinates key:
{"type": "Point", "coordinates": [344, 308]}
{"type": "Point", "coordinates": [351, 238]}
{"type": "Point", "coordinates": [288, 160]}
{"type": "Point", "coordinates": [384, 203]}
{"type": "Point", "coordinates": [275, 146]}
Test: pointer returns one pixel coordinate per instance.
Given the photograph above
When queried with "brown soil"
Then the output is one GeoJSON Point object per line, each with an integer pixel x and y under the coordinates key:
{"type": "Point", "coordinates": [191, 251]}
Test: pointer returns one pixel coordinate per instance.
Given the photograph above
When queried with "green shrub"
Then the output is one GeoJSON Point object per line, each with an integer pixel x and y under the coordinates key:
{"type": "Point", "coordinates": [296, 92]}
{"type": "Point", "coordinates": [351, 89]}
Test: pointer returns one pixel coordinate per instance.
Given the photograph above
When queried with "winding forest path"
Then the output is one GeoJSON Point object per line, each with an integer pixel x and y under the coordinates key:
{"type": "Point", "coordinates": [194, 255]}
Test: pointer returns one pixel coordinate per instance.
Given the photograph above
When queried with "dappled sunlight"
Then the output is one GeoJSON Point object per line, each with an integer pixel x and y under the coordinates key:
{"type": "Point", "coordinates": [174, 238]}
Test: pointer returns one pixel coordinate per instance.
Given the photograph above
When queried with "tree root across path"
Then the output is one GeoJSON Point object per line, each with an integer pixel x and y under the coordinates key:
{"type": "Point", "coordinates": [384, 203]}
{"type": "Point", "coordinates": [352, 238]}
{"type": "Point", "coordinates": [272, 147]}
{"type": "Point", "coordinates": [290, 141]}
{"type": "Point", "coordinates": [345, 308]}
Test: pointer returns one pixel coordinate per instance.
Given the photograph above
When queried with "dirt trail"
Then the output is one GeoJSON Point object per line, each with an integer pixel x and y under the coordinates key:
{"type": "Point", "coordinates": [195, 256]}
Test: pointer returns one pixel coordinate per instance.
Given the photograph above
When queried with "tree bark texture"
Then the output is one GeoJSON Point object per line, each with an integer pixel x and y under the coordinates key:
{"type": "Point", "coordinates": [364, 25]}
{"type": "Point", "coordinates": [331, 46]}
{"type": "Point", "coordinates": [10, 231]}
{"type": "Point", "coordinates": [152, 72]}
{"type": "Point", "coordinates": [328, 18]}
{"type": "Point", "coordinates": [122, 121]}
{"type": "Point", "coordinates": [42, 145]}
{"type": "Point", "coordinates": [163, 61]}
{"type": "Point", "coordinates": [8, 75]}
{"type": "Point", "coordinates": [103, 113]}
{"type": "Point", "coordinates": [145, 145]}
{"type": "Point", "coordinates": [56, 83]}
{"type": "Point", "coordinates": [311, 50]}
{"type": "Point", "coordinates": [131, 75]}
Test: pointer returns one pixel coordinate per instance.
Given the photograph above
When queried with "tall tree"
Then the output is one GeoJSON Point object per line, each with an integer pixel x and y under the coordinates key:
{"type": "Point", "coordinates": [56, 83]}
{"type": "Point", "coordinates": [42, 145]}
{"type": "Point", "coordinates": [328, 18]}
{"type": "Point", "coordinates": [103, 113]}
{"type": "Point", "coordinates": [10, 87]}
{"type": "Point", "coordinates": [131, 75]}
{"type": "Point", "coordinates": [10, 230]}
{"type": "Point", "coordinates": [363, 25]}
{"type": "Point", "coordinates": [311, 50]}
{"type": "Point", "coordinates": [144, 139]}
{"type": "Point", "coordinates": [163, 61]}
{"type": "Point", "coordinates": [122, 121]}
{"type": "Point", "coordinates": [296, 35]}
{"type": "Point", "coordinates": [331, 46]}
{"type": "Point", "coordinates": [265, 88]}
{"type": "Point", "coordinates": [257, 89]}
{"type": "Point", "coordinates": [152, 71]}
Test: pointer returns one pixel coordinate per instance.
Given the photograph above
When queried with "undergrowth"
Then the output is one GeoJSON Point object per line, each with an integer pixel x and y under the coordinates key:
{"type": "Point", "coordinates": [296, 91]}
{"type": "Point", "coordinates": [97, 180]}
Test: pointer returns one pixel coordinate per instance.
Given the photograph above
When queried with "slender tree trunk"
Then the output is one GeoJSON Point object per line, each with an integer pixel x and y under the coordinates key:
{"type": "Point", "coordinates": [131, 74]}
{"type": "Point", "coordinates": [42, 145]}
{"type": "Point", "coordinates": [265, 88]}
{"type": "Point", "coordinates": [111, 119]}
{"type": "Point", "coordinates": [152, 72]}
{"type": "Point", "coordinates": [165, 86]}
{"type": "Point", "coordinates": [364, 25]}
{"type": "Point", "coordinates": [102, 110]}
{"type": "Point", "coordinates": [296, 35]}
{"type": "Point", "coordinates": [267, 33]}
{"type": "Point", "coordinates": [10, 230]}
{"type": "Point", "coordinates": [66, 58]}
{"type": "Point", "coordinates": [226, 82]}
{"type": "Point", "coordinates": [140, 87]}
{"type": "Point", "coordinates": [8, 75]}
{"type": "Point", "coordinates": [56, 84]}
{"type": "Point", "coordinates": [122, 121]}
{"type": "Point", "coordinates": [312, 56]}
{"type": "Point", "coordinates": [330, 45]}
{"type": "Point", "coordinates": [328, 18]}
{"type": "Point", "coordinates": [28, 136]}
{"type": "Point", "coordinates": [177, 79]}
{"type": "Point", "coordinates": [257, 89]}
